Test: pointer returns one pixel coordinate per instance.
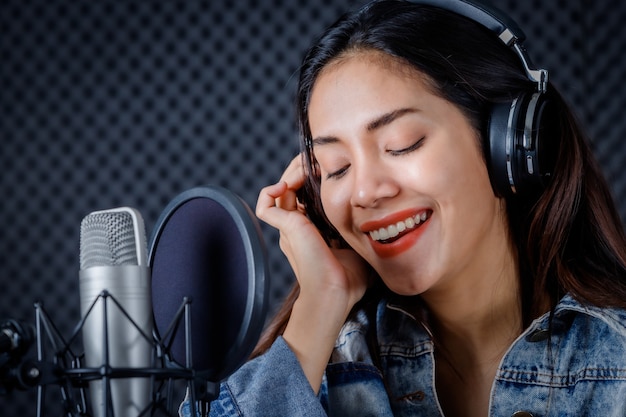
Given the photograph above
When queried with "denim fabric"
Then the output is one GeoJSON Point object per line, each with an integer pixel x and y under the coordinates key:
{"type": "Point", "coordinates": [577, 370]}
{"type": "Point", "coordinates": [272, 385]}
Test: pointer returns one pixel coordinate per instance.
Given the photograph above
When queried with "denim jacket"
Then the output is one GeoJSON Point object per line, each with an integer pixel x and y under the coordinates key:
{"type": "Point", "coordinates": [578, 368]}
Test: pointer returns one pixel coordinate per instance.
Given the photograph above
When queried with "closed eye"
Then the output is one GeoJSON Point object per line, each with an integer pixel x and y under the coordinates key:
{"type": "Point", "coordinates": [338, 173]}
{"type": "Point", "coordinates": [409, 149]}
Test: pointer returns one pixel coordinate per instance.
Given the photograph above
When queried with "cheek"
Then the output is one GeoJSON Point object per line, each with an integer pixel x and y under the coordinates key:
{"type": "Point", "coordinates": [335, 202]}
{"type": "Point", "coordinates": [468, 199]}
{"type": "Point", "coordinates": [432, 174]}
{"type": "Point", "coordinates": [463, 171]}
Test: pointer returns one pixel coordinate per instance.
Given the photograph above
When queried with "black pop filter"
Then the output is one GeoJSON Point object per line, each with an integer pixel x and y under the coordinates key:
{"type": "Point", "coordinates": [207, 246]}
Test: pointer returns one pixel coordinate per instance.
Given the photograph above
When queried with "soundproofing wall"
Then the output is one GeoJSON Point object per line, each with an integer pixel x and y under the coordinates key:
{"type": "Point", "coordinates": [107, 103]}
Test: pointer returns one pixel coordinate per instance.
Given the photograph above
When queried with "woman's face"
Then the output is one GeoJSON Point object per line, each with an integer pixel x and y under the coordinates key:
{"type": "Point", "coordinates": [403, 179]}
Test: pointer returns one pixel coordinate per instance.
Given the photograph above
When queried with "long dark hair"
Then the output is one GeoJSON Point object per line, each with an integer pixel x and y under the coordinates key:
{"type": "Point", "coordinates": [569, 237]}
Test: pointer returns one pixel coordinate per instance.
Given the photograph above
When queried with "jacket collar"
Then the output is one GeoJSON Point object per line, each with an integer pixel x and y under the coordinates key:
{"type": "Point", "coordinates": [393, 315]}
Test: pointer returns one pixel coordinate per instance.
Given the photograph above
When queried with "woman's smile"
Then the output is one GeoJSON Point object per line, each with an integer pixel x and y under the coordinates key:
{"type": "Point", "coordinates": [396, 233]}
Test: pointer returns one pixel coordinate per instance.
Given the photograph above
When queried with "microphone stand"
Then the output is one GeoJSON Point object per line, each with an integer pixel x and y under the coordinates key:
{"type": "Point", "coordinates": [65, 368]}
{"type": "Point", "coordinates": [202, 390]}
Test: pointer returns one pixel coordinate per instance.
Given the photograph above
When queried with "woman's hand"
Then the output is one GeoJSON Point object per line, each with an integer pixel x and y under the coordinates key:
{"type": "Point", "coordinates": [318, 268]}
{"type": "Point", "coordinates": [331, 280]}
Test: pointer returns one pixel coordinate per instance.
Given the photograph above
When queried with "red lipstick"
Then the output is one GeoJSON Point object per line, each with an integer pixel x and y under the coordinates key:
{"type": "Point", "coordinates": [404, 240]}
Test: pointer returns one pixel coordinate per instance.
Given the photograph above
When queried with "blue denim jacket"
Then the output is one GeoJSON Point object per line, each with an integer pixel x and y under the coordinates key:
{"type": "Point", "coordinates": [578, 370]}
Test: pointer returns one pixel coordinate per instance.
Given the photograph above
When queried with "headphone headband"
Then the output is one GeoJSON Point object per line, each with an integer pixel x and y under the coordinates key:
{"type": "Point", "coordinates": [499, 23]}
{"type": "Point", "coordinates": [521, 134]}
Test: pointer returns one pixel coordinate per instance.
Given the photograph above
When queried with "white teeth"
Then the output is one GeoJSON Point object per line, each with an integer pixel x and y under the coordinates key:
{"type": "Point", "coordinates": [410, 223]}
{"type": "Point", "coordinates": [394, 230]}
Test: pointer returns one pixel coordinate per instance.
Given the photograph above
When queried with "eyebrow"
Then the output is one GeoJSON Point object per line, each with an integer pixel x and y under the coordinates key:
{"type": "Point", "coordinates": [373, 125]}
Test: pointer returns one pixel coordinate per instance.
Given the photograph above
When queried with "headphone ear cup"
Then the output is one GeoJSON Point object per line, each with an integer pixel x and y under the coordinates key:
{"type": "Point", "coordinates": [523, 143]}
{"type": "Point", "coordinates": [501, 146]}
{"type": "Point", "coordinates": [540, 150]}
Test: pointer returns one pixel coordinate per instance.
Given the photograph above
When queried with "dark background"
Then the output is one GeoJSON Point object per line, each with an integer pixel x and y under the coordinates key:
{"type": "Point", "coordinates": [105, 103]}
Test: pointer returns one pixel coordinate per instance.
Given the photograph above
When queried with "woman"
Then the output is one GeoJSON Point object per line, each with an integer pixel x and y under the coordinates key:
{"type": "Point", "coordinates": [424, 288]}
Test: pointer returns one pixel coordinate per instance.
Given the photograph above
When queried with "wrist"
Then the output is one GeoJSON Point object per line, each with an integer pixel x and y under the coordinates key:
{"type": "Point", "coordinates": [311, 334]}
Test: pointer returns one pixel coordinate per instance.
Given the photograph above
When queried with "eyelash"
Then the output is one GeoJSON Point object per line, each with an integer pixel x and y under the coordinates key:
{"type": "Point", "coordinates": [340, 172]}
{"type": "Point", "coordinates": [337, 174]}
{"type": "Point", "coordinates": [408, 149]}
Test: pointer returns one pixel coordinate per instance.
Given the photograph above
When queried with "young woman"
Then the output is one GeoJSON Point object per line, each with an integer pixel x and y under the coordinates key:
{"type": "Point", "coordinates": [425, 286]}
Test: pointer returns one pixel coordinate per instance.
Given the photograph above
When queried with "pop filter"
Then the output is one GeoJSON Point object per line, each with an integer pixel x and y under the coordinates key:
{"type": "Point", "coordinates": [207, 246]}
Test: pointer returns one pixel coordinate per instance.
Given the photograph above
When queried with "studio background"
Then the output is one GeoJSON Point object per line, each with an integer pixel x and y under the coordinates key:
{"type": "Point", "coordinates": [107, 103]}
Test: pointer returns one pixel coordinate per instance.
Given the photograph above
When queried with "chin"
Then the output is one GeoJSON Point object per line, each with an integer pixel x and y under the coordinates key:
{"type": "Point", "coordinates": [405, 281]}
{"type": "Point", "coordinates": [402, 289]}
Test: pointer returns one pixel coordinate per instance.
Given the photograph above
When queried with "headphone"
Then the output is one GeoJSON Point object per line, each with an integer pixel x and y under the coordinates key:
{"type": "Point", "coordinates": [521, 144]}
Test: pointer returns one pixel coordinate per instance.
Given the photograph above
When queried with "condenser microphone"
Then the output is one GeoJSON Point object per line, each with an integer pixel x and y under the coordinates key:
{"type": "Point", "coordinates": [115, 297]}
{"type": "Point", "coordinates": [207, 248]}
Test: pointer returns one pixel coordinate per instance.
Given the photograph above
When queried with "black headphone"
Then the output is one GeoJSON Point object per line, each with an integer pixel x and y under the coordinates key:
{"type": "Point", "coordinates": [521, 134]}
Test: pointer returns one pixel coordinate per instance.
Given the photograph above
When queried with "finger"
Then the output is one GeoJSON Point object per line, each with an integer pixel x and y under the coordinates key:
{"type": "Point", "coordinates": [276, 206]}
{"type": "Point", "coordinates": [294, 174]}
{"type": "Point", "coordinates": [294, 177]}
{"type": "Point", "coordinates": [266, 201]}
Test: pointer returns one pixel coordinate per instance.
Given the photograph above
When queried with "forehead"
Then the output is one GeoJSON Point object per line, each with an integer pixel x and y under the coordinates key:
{"type": "Point", "coordinates": [376, 76]}
{"type": "Point", "coordinates": [393, 65]}
{"type": "Point", "coordinates": [358, 87]}
{"type": "Point", "coordinates": [362, 90]}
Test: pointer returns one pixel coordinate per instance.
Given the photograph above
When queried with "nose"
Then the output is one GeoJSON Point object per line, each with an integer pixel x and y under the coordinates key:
{"type": "Point", "coordinates": [373, 183]}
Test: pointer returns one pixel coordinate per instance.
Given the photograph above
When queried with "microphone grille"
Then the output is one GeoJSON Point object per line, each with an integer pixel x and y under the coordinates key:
{"type": "Point", "coordinates": [107, 238]}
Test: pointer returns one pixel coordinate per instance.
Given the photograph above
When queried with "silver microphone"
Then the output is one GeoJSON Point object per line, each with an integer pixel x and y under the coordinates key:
{"type": "Point", "coordinates": [113, 257]}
